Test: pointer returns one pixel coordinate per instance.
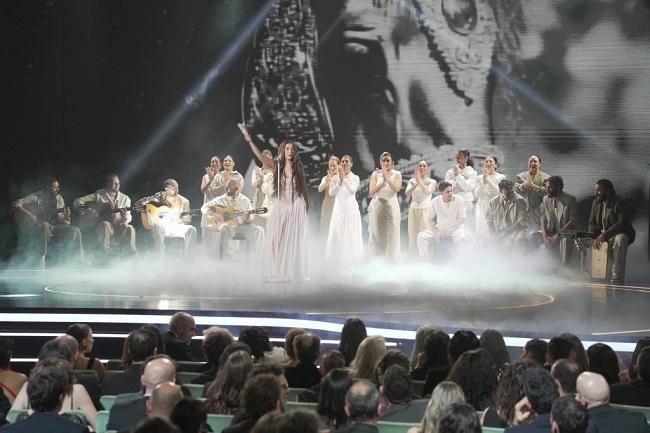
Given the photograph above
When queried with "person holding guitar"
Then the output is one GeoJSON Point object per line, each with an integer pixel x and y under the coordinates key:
{"type": "Point", "coordinates": [232, 214]}
{"type": "Point", "coordinates": [174, 222]}
{"type": "Point", "coordinates": [44, 213]}
{"type": "Point", "coordinates": [108, 212]}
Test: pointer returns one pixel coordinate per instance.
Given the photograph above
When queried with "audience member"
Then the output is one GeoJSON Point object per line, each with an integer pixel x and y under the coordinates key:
{"type": "Point", "coordinates": [296, 421]}
{"type": "Point", "coordinates": [155, 425]}
{"type": "Point", "coordinates": [331, 359]}
{"type": "Point", "coordinates": [593, 394]}
{"type": "Point", "coordinates": [568, 416]}
{"type": "Point", "coordinates": [257, 338]}
{"type": "Point", "coordinates": [445, 394]}
{"type": "Point", "coordinates": [390, 358]}
{"type": "Point", "coordinates": [578, 350]}
{"type": "Point", "coordinates": [560, 348]}
{"type": "Point", "coordinates": [304, 374]}
{"type": "Point", "coordinates": [509, 391]}
{"type": "Point", "coordinates": [603, 360]}
{"type": "Point", "coordinates": [640, 345]}
{"type": "Point", "coordinates": [140, 344]}
{"type": "Point", "coordinates": [368, 355]}
{"type": "Point", "coordinates": [362, 407]}
{"type": "Point", "coordinates": [179, 336]}
{"type": "Point", "coordinates": [84, 336]}
{"type": "Point", "coordinates": [637, 392]}
{"type": "Point", "coordinates": [533, 412]}
{"type": "Point", "coordinates": [163, 398]}
{"type": "Point", "coordinates": [459, 418]}
{"type": "Point", "coordinates": [331, 401]}
{"type": "Point", "coordinates": [49, 383]}
{"type": "Point", "coordinates": [565, 373]}
{"type": "Point", "coordinates": [352, 334]}
{"type": "Point", "coordinates": [418, 346]}
{"type": "Point", "coordinates": [433, 366]}
{"type": "Point", "coordinates": [215, 341]}
{"type": "Point", "coordinates": [160, 342]}
{"type": "Point", "coordinates": [492, 341]}
{"type": "Point", "coordinates": [10, 381]}
{"type": "Point", "coordinates": [189, 415]}
{"type": "Point", "coordinates": [476, 374]}
{"type": "Point", "coordinates": [292, 333]}
{"type": "Point", "coordinates": [222, 396]}
{"type": "Point", "coordinates": [462, 341]}
{"type": "Point", "coordinates": [536, 350]}
{"type": "Point", "coordinates": [261, 395]}
{"type": "Point", "coordinates": [278, 372]}
{"type": "Point", "coordinates": [399, 405]}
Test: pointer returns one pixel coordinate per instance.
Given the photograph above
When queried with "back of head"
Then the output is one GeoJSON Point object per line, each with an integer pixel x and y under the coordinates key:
{"type": "Point", "coordinates": [163, 398]}
{"type": "Point", "coordinates": [215, 341]}
{"type": "Point", "coordinates": [332, 359]}
{"type": "Point", "coordinates": [396, 385]}
{"type": "Point", "coordinates": [603, 360]}
{"type": "Point", "coordinates": [58, 348]}
{"type": "Point", "coordinates": [459, 418]}
{"type": "Point", "coordinates": [6, 351]}
{"type": "Point", "coordinates": [368, 355]}
{"type": "Point", "coordinates": [578, 349]}
{"type": "Point", "coordinates": [569, 415]}
{"type": "Point", "coordinates": [307, 348]}
{"type": "Point", "coordinates": [560, 348]}
{"type": "Point", "coordinates": [232, 348]}
{"type": "Point", "coordinates": [257, 339]}
{"type": "Point", "coordinates": [49, 381]}
{"type": "Point", "coordinates": [539, 389]}
{"type": "Point", "coordinates": [78, 331]}
{"type": "Point", "coordinates": [331, 401]}
{"type": "Point", "coordinates": [420, 335]}
{"type": "Point", "coordinates": [154, 330]}
{"type": "Point", "coordinates": [476, 373]}
{"type": "Point", "coordinates": [155, 425]}
{"type": "Point", "coordinates": [566, 372]}
{"type": "Point", "coordinates": [362, 401]}
{"type": "Point", "coordinates": [536, 349]}
{"type": "Point", "coordinates": [141, 344]}
{"type": "Point", "coordinates": [390, 358]}
{"type": "Point", "coordinates": [642, 343]}
{"type": "Point", "coordinates": [352, 334]}
{"type": "Point", "coordinates": [436, 346]}
{"type": "Point", "coordinates": [180, 324]}
{"type": "Point", "coordinates": [231, 378]}
{"type": "Point", "coordinates": [158, 369]}
{"type": "Point", "coordinates": [299, 421]}
{"type": "Point", "coordinates": [462, 341]}
{"type": "Point", "coordinates": [260, 395]}
{"type": "Point", "coordinates": [492, 341]}
{"type": "Point", "coordinates": [444, 394]}
{"type": "Point", "coordinates": [593, 389]}
{"type": "Point", "coordinates": [270, 422]}
{"type": "Point", "coordinates": [511, 388]}
{"type": "Point", "coordinates": [643, 364]}
{"type": "Point", "coordinates": [189, 415]}
{"type": "Point", "coordinates": [288, 341]}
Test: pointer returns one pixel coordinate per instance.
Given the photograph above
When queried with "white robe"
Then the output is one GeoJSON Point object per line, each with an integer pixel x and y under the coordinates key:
{"type": "Point", "coordinates": [344, 239]}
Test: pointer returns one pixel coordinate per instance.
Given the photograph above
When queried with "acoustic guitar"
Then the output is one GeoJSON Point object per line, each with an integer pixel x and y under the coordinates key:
{"type": "Point", "coordinates": [102, 212]}
{"type": "Point", "coordinates": [218, 216]}
{"type": "Point", "coordinates": [23, 220]}
{"type": "Point", "coordinates": [151, 212]}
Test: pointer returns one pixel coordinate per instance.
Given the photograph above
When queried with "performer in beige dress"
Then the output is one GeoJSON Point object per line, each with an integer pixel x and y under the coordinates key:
{"type": "Point", "coordinates": [262, 181]}
{"type": "Point", "coordinates": [383, 211]}
{"type": "Point", "coordinates": [486, 187]}
{"type": "Point", "coordinates": [420, 189]}
{"type": "Point", "coordinates": [328, 201]}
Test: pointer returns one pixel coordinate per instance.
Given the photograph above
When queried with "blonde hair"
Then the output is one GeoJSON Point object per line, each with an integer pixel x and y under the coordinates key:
{"type": "Point", "coordinates": [333, 158]}
{"type": "Point", "coordinates": [444, 395]}
{"type": "Point", "coordinates": [369, 353]}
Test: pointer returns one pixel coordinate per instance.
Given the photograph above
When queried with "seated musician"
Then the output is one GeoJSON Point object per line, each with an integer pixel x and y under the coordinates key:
{"type": "Point", "coordinates": [239, 225]}
{"type": "Point", "coordinates": [108, 210]}
{"type": "Point", "coordinates": [449, 211]}
{"type": "Point", "coordinates": [506, 215]}
{"type": "Point", "coordinates": [610, 222]}
{"type": "Point", "coordinates": [175, 223]}
{"type": "Point", "coordinates": [559, 213]}
{"type": "Point", "coordinates": [44, 213]}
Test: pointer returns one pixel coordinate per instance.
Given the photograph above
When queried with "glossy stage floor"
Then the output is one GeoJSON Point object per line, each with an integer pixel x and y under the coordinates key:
{"type": "Point", "coordinates": [516, 296]}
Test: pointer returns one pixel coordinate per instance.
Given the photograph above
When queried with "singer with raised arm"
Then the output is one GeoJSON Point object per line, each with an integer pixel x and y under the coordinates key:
{"type": "Point", "coordinates": [285, 250]}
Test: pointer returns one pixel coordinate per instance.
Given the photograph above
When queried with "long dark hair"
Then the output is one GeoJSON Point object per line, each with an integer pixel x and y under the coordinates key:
{"type": "Point", "coordinates": [352, 334]}
{"type": "Point", "coordinates": [299, 183]}
{"type": "Point", "coordinates": [230, 379]}
{"type": "Point", "coordinates": [331, 401]}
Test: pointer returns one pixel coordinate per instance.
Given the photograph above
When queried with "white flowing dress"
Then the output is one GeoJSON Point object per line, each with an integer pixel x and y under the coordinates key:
{"type": "Point", "coordinates": [326, 209]}
{"type": "Point", "coordinates": [344, 239]}
{"type": "Point", "coordinates": [384, 219]}
{"type": "Point", "coordinates": [418, 210]}
{"type": "Point", "coordinates": [484, 191]}
{"type": "Point", "coordinates": [285, 250]}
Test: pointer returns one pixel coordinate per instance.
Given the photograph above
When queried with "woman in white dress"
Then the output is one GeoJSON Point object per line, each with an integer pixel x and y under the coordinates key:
{"type": "Point", "coordinates": [216, 188]}
{"type": "Point", "coordinates": [285, 251]}
{"type": "Point", "coordinates": [262, 181]}
{"type": "Point", "coordinates": [419, 189]}
{"type": "Point", "coordinates": [328, 200]}
{"type": "Point", "coordinates": [383, 210]}
{"type": "Point", "coordinates": [344, 240]}
{"type": "Point", "coordinates": [461, 177]}
{"type": "Point", "coordinates": [486, 187]}
{"type": "Point", "coordinates": [210, 172]}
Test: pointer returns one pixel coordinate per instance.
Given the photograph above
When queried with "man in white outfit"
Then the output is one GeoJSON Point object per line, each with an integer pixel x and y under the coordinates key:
{"type": "Point", "coordinates": [449, 212]}
{"type": "Point", "coordinates": [239, 226]}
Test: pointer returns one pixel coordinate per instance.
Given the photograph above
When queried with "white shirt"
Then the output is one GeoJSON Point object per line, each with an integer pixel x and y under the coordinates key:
{"type": "Point", "coordinates": [240, 203]}
{"type": "Point", "coordinates": [449, 216]}
{"type": "Point", "coordinates": [463, 183]}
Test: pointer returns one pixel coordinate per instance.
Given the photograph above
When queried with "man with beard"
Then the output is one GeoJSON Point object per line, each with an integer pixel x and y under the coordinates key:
{"type": "Point", "coordinates": [506, 215]}
{"type": "Point", "coordinates": [559, 212]}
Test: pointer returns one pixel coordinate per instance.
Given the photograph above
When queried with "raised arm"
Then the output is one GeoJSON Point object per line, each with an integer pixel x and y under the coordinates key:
{"type": "Point", "coordinates": [265, 160]}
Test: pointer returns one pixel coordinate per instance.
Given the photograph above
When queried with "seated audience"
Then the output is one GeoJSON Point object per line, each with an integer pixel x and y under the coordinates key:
{"type": "Point", "coordinates": [261, 395]}
{"type": "Point", "coordinates": [533, 412]}
{"type": "Point", "coordinates": [179, 336]}
{"type": "Point", "coordinates": [331, 401]}
{"type": "Point", "coordinates": [593, 394]}
{"type": "Point", "coordinates": [189, 415]}
{"type": "Point", "coordinates": [160, 342]}
{"type": "Point", "coordinates": [462, 341]}
{"type": "Point", "coordinates": [536, 350]}
{"type": "Point", "coordinates": [433, 362]}
{"type": "Point", "coordinates": [560, 348]}
{"type": "Point", "coordinates": [129, 409]}
{"type": "Point", "coordinates": [139, 345]}
{"type": "Point", "coordinates": [476, 374]}
{"type": "Point", "coordinates": [163, 399]}
{"type": "Point", "coordinates": [568, 416]}
{"type": "Point", "coordinates": [10, 381]}
{"type": "Point", "coordinates": [352, 334]}
{"type": "Point", "coordinates": [418, 346]}
{"type": "Point", "coordinates": [362, 408]}
{"type": "Point", "coordinates": [155, 425]}
{"type": "Point", "coordinates": [257, 338]}
{"type": "Point", "coordinates": [296, 421]}
{"type": "Point", "coordinates": [578, 349]}
{"type": "Point", "coordinates": [390, 358]}
{"type": "Point", "coordinates": [223, 395]}
{"type": "Point", "coordinates": [289, 351]}
{"type": "Point", "coordinates": [604, 361]}
{"type": "Point", "coordinates": [459, 418]}
{"type": "Point", "coordinates": [509, 391]}
{"type": "Point", "coordinates": [492, 341]}
{"type": "Point", "coordinates": [637, 392]}
{"type": "Point", "coordinates": [368, 355]}
{"type": "Point", "coordinates": [640, 345]}
{"type": "Point", "coordinates": [331, 359]}
{"type": "Point", "coordinates": [50, 382]}
{"type": "Point", "coordinates": [565, 373]}
{"type": "Point", "coordinates": [304, 374]}
{"type": "Point", "coordinates": [445, 394]}
{"type": "Point", "coordinates": [215, 341]}
{"type": "Point", "coordinates": [399, 405]}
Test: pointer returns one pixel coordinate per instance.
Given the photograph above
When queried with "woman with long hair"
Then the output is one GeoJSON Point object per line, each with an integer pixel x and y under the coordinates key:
{"type": "Point", "coordinates": [383, 211]}
{"type": "Point", "coordinates": [476, 373]}
{"type": "Point", "coordinates": [369, 354]}
{"type": "Point", "coordinates": [352, 334]}
{"type": "Point", "coordinates": [84, 336]}
{"type": "Point", "coordinates": [328, 200]}
{"type": "Point", "coordinates": [420, 189]}
{"type": "Point", "coordinates": [331, 401]}
{"type": "Point", "coordinates": [262, 181]}
{"type": "Point", "coordinates": [285, 252]}
{"type": "Point", "coordinates": [444, 395]}
{"type": "Point", "coordinates": [486, 187]}
{"type": "Point", "coordinates": [344, 240]}
{"type": "Point", "coordinates": [222, 396]}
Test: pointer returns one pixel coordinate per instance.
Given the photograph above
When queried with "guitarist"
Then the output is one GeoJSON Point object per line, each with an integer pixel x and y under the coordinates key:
{"type": "Point", "coordinates": [173, 224]}
{"type": "Point", "coordinates": [44, 214]}
{"type": "Point", "coordinates": [108, 211]}
{"type": "Point", "coordinates": [241, 225]}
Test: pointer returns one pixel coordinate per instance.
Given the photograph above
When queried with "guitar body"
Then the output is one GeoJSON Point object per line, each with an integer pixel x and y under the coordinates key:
{"type": "Point", "coordinates": [104, 213]}
{"type": "Point", "coordinates": [25, 222]}
{"type": "Point", "coordinates": [218, 216]}
{"type": "Point", "coordinates": [151, 213]}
